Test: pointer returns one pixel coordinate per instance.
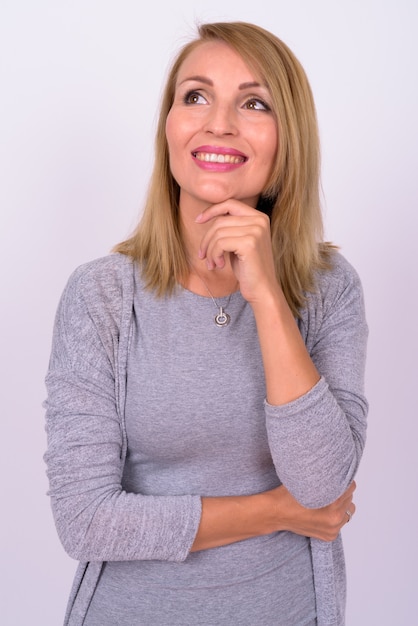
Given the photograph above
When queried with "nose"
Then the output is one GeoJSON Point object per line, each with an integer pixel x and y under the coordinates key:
{"type": "Point", "coordinates": [221, 120]}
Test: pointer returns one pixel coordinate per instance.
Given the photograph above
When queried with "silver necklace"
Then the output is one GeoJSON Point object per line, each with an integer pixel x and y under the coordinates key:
{"type": "Point", "coordinates": [222, 318]}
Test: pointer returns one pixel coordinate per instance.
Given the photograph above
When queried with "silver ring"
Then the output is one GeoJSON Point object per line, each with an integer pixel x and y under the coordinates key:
{"type": "Point", "coordinates": [350, 515]}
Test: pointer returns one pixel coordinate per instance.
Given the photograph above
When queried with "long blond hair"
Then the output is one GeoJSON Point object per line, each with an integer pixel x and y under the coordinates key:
{"type": "Point", "coordinates": [292, 195]}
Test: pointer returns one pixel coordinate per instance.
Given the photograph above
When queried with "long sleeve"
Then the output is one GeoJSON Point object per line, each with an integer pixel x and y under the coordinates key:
{"type": "Point", "coordinates": [96, 519]}
{"type": "Point", "coordinates": [317, 440]}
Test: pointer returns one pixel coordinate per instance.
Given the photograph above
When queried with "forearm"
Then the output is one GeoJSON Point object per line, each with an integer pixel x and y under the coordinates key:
{"type": "Point", "coordinates": [288, 367]}
{"type": "Point", "coordinates": [127, 526]}
{"type": "Point", "coordinates": [96, 519]}
{"type": "Point", "coordinates": [230, 519]}
{"type": "Point", "coordinates": [227, 520]}
{"type": "Point", "coordinates": [317, 439]}
{"type": "Point", "coordinates": [312, 428]}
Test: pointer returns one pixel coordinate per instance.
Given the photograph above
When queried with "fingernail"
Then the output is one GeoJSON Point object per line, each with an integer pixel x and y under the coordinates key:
{"type": "Point", "coordinates": [199, 217]}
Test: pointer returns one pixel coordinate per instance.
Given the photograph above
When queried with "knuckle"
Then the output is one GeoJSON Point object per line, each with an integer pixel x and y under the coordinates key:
{"type": "Point", "coordinates": [252, 242]}
{"type": "Point", "coordinates": [335, 519]}
{"type": "Point", "coordinates": [330, 536]}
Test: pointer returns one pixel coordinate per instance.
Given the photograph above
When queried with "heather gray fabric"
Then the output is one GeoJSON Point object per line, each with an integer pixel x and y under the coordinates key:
{"type": "Point", "coordinates": [145, 512]}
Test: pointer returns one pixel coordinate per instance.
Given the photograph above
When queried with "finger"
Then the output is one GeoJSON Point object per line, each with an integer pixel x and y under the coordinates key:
{"type": "Point", "coordinates": [221, 246]}
{"type": "Point", "coordinates": [349, 513]}
{"type": "Point", "coordinates": [229, 207]}
{"type": "Point", "coordinates": [346, 504]}
{"type": "Point", "coordinates": [222, 230]}
{"type": "Point", "coordinates": [229, 228]}
{"type": "Point", "coordinates": [242, 244]}
{"type": "Point", "coordinates": [348, 493]}
{"type": "Point", "coordinates": [351, 488]}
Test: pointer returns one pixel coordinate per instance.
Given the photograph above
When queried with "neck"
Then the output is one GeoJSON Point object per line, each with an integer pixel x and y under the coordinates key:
{"type": "Point", "coordinates": [215, 283]}
{"type": "Point", "coordinates": [222, 318]}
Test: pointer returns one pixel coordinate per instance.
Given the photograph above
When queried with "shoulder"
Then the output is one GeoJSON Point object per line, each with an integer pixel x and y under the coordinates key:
{"type": "Point", "coordinates": [337, 282]}
{"type": "Point", "coordinates": [99, 289]}
{"type": "Point", "coordinates": [106, 278]}
{"type": "Point", "coordinates": [336, 298]}
{"type": "Point", "coordinates": [94, 310]}
{"type": "Point", "coordinates": [108, 271]}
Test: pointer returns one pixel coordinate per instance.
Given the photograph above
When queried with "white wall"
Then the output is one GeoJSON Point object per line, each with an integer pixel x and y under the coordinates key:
{"type": "Point", "coordinates": [80, 83]}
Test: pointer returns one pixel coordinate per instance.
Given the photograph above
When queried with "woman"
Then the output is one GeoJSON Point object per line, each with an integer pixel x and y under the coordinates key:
{"type": "Point", "coordinates": [205, 409]}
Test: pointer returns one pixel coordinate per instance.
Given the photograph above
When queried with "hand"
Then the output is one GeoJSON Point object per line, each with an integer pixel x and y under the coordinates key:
{"type": "Point", "coordinates": [324, 523]}
{"type": "Point", "coordinates": [243, 234]}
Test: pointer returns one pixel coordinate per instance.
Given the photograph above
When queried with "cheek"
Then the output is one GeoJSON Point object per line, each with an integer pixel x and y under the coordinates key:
{"type": "Point", "coordinates": [271, 146]}
{"type": "Point", "coordinates": [180, 127]}
{"type": "Point", "coordinates": [268, 153]}
{"type": "Point", "coordinates": [173, 144]}
{"type": "Point", "coordinates": [177, 151]}
{"type": "Point", "coordinates": [169, 132]}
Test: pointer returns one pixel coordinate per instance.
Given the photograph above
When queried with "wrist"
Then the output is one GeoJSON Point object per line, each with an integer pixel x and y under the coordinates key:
{"type": "Point", "coordinates": [273, 513]}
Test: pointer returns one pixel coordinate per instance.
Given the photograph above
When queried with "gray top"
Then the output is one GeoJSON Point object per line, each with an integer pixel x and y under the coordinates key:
{"type": "Point", "coordinates": [148, 508]}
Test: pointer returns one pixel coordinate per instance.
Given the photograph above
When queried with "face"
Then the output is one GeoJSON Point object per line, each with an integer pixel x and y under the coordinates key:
{"type": "Point", "coordinates": [221, 131]}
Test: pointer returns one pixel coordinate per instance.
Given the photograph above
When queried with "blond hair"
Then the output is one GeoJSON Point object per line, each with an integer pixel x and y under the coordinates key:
{"type": "Point", "coordinates": [291, 195]}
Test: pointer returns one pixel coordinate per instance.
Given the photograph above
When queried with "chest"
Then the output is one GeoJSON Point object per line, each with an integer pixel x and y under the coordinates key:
{"type": "Point", "coordinates": [195, 391]}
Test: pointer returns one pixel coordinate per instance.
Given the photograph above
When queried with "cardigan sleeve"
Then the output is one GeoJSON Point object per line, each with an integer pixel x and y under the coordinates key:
{"type": "Point", "coordinates": [317, 440]}
{"type": "Point", "coordinates": [95, 518]}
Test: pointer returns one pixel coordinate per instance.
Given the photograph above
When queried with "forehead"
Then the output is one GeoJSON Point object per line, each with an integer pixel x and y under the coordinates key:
{"type": "Point", "coordinates": [216, 59]}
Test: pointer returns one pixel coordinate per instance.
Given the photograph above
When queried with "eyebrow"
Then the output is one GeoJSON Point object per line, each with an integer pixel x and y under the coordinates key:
{"type": "Point", "coordinates": [208, 81]}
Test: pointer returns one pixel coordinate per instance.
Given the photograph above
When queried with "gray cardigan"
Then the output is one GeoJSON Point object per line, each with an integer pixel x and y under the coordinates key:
{"type": "Point", "coordinates": [98, 521]}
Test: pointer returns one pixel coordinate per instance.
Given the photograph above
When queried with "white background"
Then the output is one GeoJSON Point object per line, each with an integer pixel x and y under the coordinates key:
{"type": "Point", "coordinates": [80, 84]}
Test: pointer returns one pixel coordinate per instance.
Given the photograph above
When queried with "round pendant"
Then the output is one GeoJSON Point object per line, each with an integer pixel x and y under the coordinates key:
{"type": "Point", "coordinates": [222, 319]}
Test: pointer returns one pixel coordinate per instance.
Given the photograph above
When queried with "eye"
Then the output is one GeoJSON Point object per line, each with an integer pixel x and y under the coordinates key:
{"type": "Point", "coordinates": [256, 104]}
{"type": "Point", "coordinates": [194, 97]}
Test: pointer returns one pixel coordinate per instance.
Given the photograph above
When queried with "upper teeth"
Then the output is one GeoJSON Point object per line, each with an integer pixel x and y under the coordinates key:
{"type": "Point", "coordinates": [211, 157]}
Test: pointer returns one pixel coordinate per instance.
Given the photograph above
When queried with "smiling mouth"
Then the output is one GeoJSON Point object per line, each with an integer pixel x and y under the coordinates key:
{"type": "Point", "coordinates": [211, 157]}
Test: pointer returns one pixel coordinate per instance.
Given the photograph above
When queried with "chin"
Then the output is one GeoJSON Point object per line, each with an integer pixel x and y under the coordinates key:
{"type": "Point", "coordinates": [218, 196]}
